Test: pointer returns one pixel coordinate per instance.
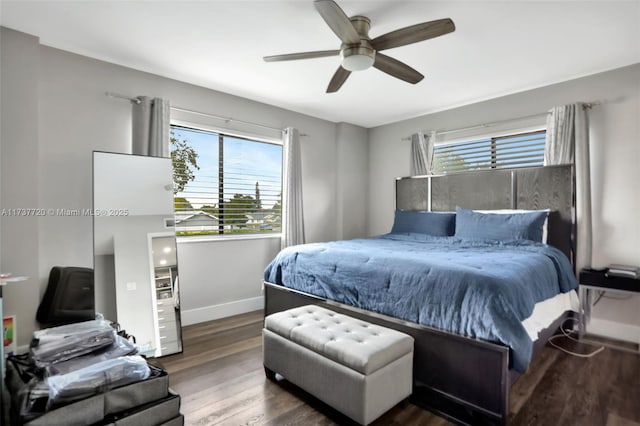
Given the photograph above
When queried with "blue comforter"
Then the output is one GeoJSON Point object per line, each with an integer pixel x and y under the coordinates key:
{"type": "Point", "coordinates": [475, 288]}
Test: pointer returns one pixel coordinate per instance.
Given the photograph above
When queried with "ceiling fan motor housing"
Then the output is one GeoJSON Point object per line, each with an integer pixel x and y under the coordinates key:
{"type": "Point", "coordinates": [358, 57]}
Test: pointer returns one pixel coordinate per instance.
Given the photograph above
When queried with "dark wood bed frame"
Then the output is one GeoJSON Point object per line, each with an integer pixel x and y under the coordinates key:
{"type": "Point", "coordinates": [465, 379]}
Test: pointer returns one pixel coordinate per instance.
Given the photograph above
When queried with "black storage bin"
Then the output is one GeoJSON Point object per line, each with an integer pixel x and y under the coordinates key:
{"type": "Point", "coordinates": [89, 410]}
{"type": "Point", "coordinates": [152, 414]}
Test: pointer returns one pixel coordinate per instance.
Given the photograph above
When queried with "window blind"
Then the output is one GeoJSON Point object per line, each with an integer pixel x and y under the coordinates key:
{"type": "Point", "coordinates": [233, 187]}
{"type": "Point", "coordinates": [503, 152]}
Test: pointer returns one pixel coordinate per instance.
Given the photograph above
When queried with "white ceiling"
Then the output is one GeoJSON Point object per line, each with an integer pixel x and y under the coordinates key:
{"type": "Point", "coordinates": [499, 47]}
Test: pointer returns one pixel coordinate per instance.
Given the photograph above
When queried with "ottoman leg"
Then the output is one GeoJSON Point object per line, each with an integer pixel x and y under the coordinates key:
{"type": "Point", "coordinates": [271, 375]}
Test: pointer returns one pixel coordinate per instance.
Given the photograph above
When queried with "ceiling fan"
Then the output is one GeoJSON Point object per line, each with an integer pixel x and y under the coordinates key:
{"type": "Point", "coordinates": [359, 51]}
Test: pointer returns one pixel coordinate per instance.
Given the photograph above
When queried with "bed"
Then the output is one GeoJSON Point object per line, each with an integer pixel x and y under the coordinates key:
{"type": "Point", "coordinates": [460, 372]}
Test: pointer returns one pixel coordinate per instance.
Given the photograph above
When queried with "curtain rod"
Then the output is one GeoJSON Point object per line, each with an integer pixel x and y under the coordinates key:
{"type": "Point", "coordinates": [493, 123]}
{"type": "Point", "coordinates": [225, 119]}
{"type": "Point", "coordinates": [119, 96]}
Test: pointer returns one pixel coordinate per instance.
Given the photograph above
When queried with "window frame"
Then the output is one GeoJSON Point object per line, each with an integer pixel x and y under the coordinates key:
{"type": "Point", "coordinates": [257, 137]}
{"type": "Point", "coordinates": [493, 148]}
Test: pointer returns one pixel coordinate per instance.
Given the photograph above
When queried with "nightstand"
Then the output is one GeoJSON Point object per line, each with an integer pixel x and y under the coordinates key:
{"type": "Point", "coordinates": [591, 282]}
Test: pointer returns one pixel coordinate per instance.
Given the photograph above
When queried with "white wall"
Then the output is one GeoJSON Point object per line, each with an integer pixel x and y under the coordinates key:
{"type": "Point", "coordinates": [222, 277]}
{"type": "Point", "coordinates": [19, 167]}
{"type": "Point", "coordinates": [64, 115]}
{"type": "Point", "coordinates": [353, 168]}
{"type": "Point", "coordinates": [615, 153]}
{"type": "Point", "coordinates": [134, 307]}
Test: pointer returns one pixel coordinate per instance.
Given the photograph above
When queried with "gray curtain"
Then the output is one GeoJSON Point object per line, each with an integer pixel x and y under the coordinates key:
{"type": "Point", "coordinates": [418, 155]}
{"type": "Point", "coordinates": [422, 153]}
{"type": "Point", "coordinates": [567, 142]}
{"type": "Point", "coordinates": [150, 127]}
{"type": "Point", "coordinates": [431, 142]}
{"type": "Point", "coordinates": [292, 213]}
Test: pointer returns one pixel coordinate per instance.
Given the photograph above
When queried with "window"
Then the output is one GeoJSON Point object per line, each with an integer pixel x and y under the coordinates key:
{"type": "Point", "coordinates": [504, 152]}
{"type": "Point", "coordinates": [225, 184]}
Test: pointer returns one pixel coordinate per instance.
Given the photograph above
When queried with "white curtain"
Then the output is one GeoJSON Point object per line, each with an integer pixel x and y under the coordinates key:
{"type": "Point", "coordinates": [418, 155]}
{"type": "Point", "coordinates": [431, 142]}
{"type": "Point", "coordinates": [567, 142]}
{"type": "Point", "coordinates": [150, 127]}
{"type": "Point", "coordinates": [292, 214]}
{"type": "Point", "coordinates": [422, 153]}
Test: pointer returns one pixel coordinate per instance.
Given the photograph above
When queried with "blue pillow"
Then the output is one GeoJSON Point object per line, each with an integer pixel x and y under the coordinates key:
{"type": "Point", "coordinates": [439, 224]}
{"type": "Point", "coordinates": [520, 226]}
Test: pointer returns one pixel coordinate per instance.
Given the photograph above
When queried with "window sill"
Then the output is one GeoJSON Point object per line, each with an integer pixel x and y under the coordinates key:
{"type": "Point", "coordinates": [223, 238]}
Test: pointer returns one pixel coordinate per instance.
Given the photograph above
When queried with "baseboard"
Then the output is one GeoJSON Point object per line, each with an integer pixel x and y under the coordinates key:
{"type": "Point", "coordinates": [626, 332]}
{"type": "Point", "coordinates": [208, 313]}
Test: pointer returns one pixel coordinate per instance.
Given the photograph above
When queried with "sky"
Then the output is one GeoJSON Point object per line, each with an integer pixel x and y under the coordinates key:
{"type": "Point", "coordinates": [245, 163]}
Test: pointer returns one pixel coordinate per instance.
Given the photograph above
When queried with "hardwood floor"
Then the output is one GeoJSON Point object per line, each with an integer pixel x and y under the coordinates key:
{"type": "Point", "coordinates": [221, 381]}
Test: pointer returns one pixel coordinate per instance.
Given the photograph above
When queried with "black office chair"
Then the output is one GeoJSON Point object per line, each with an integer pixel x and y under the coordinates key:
{"type": "Point", "coordinates": [69, 297]}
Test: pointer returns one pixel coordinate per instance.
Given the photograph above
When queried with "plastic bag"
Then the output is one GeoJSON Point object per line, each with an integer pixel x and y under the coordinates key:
{"type": "Point", "coordinates": [57, 344]}
{"type": "Point", "coordinates": [96, 378]}
{"type": "Point", "coordinates": [119, 347]}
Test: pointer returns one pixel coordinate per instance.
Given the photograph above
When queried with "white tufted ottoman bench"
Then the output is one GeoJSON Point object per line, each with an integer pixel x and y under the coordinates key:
{"type": "Point", "coordinates": [360, 369]}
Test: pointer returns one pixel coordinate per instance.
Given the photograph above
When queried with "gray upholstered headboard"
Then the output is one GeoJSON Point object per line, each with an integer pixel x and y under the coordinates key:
{"type": "Point", "coordinates": [549, 187]}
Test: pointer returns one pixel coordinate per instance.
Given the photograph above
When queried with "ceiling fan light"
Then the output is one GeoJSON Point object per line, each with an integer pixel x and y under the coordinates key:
{"type": "Point", "coordinates": [357, 58]}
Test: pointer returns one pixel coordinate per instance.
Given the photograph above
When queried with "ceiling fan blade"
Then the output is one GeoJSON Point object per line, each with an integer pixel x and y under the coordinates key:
{"type": "Point", "coordinates": [337, 20]}
{"type": "Point", "coordinates": [413, 34]}
{"type": "Point", "coordinates": [301, 55]}
{"type": "Point", "coordinates": [397, 69]}
{"type": "Point", "coordinates": [338, 80]}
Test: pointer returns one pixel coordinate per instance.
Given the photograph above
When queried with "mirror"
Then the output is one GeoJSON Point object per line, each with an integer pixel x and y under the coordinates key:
{"type": "Point", "coordinates": [135, 256]}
